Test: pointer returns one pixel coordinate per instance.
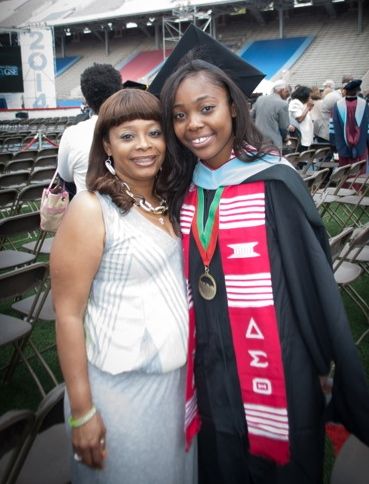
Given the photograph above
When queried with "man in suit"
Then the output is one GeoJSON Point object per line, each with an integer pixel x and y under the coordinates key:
{"type": "Point", "coordinates": [271, 114]}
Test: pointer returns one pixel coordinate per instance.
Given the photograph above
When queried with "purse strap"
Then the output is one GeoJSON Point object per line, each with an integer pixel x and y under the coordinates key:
{"type": "Point", "coordinates": [52, 180]}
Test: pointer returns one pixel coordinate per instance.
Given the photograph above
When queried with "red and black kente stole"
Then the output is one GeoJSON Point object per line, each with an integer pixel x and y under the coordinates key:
{"type": "Point", "coordinates": [237, 221]}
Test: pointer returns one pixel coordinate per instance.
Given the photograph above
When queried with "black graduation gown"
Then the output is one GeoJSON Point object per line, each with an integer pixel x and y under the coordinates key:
{"type": "Point", "coordinates": [314, 331]}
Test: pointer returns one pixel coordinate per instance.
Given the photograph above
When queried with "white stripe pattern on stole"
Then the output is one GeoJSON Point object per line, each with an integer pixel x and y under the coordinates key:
{"type": "Point", "coordinates": [189, 294]}
{"type": "Point", "coordinates": [249, 290]}
{"type": "Point", "coordinates": [187, 214]}
{"type": "Point", "coordinates": [242, 211]}
{"type": "Point", "coordinates": [267, 421]}
{"type": "Point", "coordinates": [190, 410]}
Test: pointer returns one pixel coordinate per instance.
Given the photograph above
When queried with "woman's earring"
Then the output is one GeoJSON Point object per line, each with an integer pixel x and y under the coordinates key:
{"type": "Point", "coordinates": [109, 166]}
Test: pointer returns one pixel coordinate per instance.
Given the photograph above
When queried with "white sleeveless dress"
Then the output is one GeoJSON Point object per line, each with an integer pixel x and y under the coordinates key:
{"type": "Point", "coordinates": [136, 336]}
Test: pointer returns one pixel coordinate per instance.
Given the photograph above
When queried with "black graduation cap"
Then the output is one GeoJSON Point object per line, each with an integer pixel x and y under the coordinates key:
{"type": "Point", "coordinates": [243, 74]}
{"type": "Point", "coordinates": [354, 84]}
{"type": "Point", "coordinates": [134, 85]}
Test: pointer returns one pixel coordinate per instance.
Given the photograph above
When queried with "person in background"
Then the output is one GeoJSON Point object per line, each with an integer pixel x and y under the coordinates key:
{"type": "Point", "coordinates": [98, 82]}
{"type": "Point", "coordinates": [266, 316]}
{"type": "Point", "coordinates": [366, 96]}
{"type": "Point", "coordinates": [350, 125]}
{"type": "Point", "coordinates": [299, 110]}
{"type": "Point", "coordinates": [335, 95]}
{"type": "Point", "coordinates": [271, 114]}
{"type": "Point", "coordinates": [121, 308]}
{"type": "Point", "coordinates": [328, 102]}
{"type": "Point", "coordinates": [328, 86]}
{"type": "Point", "coordinates": [320, 136]}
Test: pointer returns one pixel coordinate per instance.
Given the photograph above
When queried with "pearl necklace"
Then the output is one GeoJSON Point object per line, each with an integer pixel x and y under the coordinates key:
{"type": "Point", "coordinates": [141, 202]}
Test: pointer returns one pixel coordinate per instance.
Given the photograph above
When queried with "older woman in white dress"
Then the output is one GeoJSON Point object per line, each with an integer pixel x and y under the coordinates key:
{"type": "Point", "coordinates": [121, 308]}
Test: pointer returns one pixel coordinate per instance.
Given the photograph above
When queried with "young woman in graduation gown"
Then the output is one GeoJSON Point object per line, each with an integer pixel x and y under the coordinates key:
{"type": "Point", "coordinates": [266, 317]}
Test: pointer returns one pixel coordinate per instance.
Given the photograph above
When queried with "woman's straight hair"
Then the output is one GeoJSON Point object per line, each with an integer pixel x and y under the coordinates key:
{"type": "Point", "coordinates": [248, 142]}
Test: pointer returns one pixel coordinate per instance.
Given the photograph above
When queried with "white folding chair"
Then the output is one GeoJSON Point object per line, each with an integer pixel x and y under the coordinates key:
{"type": "Point", "coordinates": [352, 463]}
{"type": "Point", "coordinates": [347, 271]}
{"type": "Point", "coordinates": [316, 180]}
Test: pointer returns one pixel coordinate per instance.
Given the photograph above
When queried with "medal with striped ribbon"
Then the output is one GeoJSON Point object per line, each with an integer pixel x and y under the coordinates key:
{"type": "Point", "coordinates": [206, 236]}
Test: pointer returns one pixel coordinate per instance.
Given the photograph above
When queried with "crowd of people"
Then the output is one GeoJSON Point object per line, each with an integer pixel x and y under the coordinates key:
{"type": "Point", "coordinates": [197, 313]}
{"type": "Point", "coordinates": [316, 115]}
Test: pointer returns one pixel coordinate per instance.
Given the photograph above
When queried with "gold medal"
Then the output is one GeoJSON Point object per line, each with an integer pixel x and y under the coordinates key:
{"type": "Point", "coordinates": [206, 240]}
{"type": "Point", "coordinates": [207, 285]}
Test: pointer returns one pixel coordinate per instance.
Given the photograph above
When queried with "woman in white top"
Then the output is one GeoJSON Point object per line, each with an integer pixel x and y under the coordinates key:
{"type": "Point", "coordinates": [121, 307]}
{"type": "Point", "coordinates": [299, 110]}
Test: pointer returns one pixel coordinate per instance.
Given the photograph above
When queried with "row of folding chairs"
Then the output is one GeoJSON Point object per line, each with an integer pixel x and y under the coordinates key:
{"type": "Point", "coordinates": [26, 154]}
{"type": "Point", "coordinates": [311, 160]}
{"type": "Point", "coordinates": [344, 198]}
{"type": "Point", "coordinates": [27, 199]}
{"type": "Point", "coordinates": [34, 445]}
{"type": "Point", "coordinates": [33, 124]}
{"type": "Point", "coordinates": [22, 178]}
{"type": "Point", "coordinates": [23, 243]}
{"type": "Point", "coordinates": [25, 127]}
{"type": "Point", "coordinates": [22, 240]}
{"type": "Point", "coordinates": [30, 164]}
{"type": "Point", "coordinates": [341, 195]}
{"type": "Point", "coordinates": [316, 180]}
{"type": "Point", "coordinates": [25, 293]}
{"type": "Point", "coordinates": [15, 143]}
{"type": "Point", "coordinates": [350, 256]}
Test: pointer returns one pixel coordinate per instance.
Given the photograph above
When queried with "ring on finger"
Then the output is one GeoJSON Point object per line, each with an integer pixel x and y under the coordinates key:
{"type": "Point", "coordinates": [102, 441]}
{"type": "Point", "coordinates": [77, 457]}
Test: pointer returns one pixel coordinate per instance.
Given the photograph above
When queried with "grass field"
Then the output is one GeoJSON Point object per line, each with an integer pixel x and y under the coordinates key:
{"type": "Point", "coordinates": [21, 391]}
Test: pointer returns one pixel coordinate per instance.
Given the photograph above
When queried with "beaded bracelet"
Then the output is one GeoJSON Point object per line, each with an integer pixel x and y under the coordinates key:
{"type": "Point", "coordinates": [78, 422]}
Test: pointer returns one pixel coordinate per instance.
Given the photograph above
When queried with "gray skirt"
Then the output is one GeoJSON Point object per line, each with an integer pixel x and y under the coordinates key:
{"type": "Point", "coordinates": [144, 419]}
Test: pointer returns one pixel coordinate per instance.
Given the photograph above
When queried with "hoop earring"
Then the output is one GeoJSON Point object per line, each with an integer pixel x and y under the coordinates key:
{"type": "Point", "coordinates": [109, 166]}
